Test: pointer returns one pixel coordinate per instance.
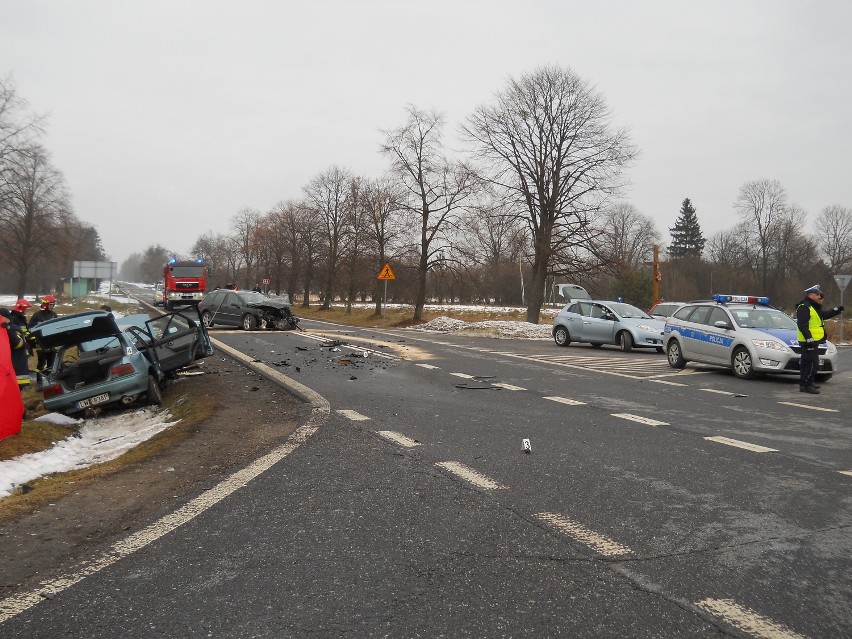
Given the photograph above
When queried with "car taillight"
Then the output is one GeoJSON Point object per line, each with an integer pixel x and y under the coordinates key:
{"type": "Point", "coordinates": [52, 391]}
{"type": "Point", "coordinates": [122, 369]}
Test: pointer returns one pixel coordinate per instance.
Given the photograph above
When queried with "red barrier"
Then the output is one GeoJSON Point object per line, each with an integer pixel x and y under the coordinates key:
{"type": "Point", "coordinates": [11, 404]}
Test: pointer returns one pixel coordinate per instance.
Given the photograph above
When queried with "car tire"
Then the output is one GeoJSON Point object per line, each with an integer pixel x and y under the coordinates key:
{"type": "Point", "coordinates": [561, 336]}
{"type": "Point", "coordinates": [155, 395]}
{"type": "Point", "coordinates": [207, 319]}
{"type": "Point", "coordinates": [741, 363]}
{"type": "Point", "coordinates": [625, 341]}
{"type": "Point", "coordinates": [249, 322]}
{"type": "Point", "coordinates": [674, 355]}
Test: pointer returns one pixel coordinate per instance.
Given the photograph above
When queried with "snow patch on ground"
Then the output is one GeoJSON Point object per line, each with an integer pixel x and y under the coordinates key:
{"type": "Point", "coordinates": [97, 441]}
{"type": "Point", "coordinates": [516, 330]}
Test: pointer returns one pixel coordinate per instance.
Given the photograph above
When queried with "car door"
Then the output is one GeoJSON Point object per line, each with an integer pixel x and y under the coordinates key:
{"type": "Point", "coordinates": [693, 332]}
{"type": "Point", "coordinates": [573, 318]}
{"type": "Point", "coordinates": [599, 326]}
{"type": "Point", "coordinates": [717, 340]}
{"type": "Point", "coordinates": [175, 339]}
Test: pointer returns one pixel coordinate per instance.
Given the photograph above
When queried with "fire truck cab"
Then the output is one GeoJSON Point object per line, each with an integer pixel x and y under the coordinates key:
{"type": "Point", "coordinates": [184, 282]}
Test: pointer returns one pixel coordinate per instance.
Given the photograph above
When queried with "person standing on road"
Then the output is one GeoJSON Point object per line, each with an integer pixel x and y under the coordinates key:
{"type": "Point", "coordinates": [45, 356]}
{"type": "Point", "coordinates": [18, 349]}
{"type": "Point", "coordinates": [811, 333]}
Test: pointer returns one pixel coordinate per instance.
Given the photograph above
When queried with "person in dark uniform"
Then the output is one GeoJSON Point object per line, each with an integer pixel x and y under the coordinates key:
{"type": "Point", "coordinates": [46, 356]}
{"type": "Point", "coordinates": [811, 333]}
{"type": "Point", "coordinates": [18, 349]}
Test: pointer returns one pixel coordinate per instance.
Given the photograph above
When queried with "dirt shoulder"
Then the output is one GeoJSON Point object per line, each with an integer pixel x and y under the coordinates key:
{"type": "Point", "coordinates": [247, 415]}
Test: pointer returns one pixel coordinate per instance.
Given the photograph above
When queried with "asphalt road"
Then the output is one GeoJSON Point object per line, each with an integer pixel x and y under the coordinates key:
{"type": "Point", "coordinates": [651, 503]}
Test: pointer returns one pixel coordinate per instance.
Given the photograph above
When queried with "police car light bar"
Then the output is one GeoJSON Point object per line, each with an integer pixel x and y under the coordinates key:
{"type": "Point", "coordinates": [747, 299]}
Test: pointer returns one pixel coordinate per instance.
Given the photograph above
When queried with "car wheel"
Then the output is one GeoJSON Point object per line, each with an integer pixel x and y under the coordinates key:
{"type": "Point", "coordinates": [676, 359]}
{"type": "Point", "coordinates": [207, 319]}
{"type": "Point", "coordinates": [625, 341]}
{"type": "Point", "coordinates": [249, 322]}
{"type": "Point", "coordinates": [561, 336]}
{"type": "Point", "coordinates": [741, 363]}
{"type": "Point", "coordinates": [824, 377]}
{"type": "Point", "coordinates": [596, 344]}
{"type": "Point", "coordinates": [155, 395]}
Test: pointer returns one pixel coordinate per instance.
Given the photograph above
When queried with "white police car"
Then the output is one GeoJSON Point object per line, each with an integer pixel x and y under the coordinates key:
{"type": "Point", "coordinates": [742, 333]}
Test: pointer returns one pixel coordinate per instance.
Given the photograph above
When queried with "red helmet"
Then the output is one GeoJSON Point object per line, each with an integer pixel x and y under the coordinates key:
{"type": "Point", "coordinates": [21, 305]}
{"type": "Point", "coordinates": [47, 299]}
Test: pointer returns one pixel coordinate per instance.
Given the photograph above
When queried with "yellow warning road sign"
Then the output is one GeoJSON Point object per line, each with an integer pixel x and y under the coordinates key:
{"type": "Point", "coordinates": [386, 273]}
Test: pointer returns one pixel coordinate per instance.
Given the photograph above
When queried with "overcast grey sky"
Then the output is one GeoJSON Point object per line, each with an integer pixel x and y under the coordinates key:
{"type": "Point", "coordinates": [168, 117]}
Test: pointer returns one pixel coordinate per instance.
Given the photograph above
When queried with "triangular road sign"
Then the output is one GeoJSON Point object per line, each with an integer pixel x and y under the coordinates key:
{"type": "Point", "coordinates": [386, 273]}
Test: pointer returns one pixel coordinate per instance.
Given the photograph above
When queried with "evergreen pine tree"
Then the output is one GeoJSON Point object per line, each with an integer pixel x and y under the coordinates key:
{"type": "Point", "coordinates": [687, 240]}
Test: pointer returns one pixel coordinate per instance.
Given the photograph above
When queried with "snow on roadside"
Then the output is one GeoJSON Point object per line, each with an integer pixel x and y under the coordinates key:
{"type": "Point", "coordinates": [97, 441]}
{"type": "Point", "coordinates": [517, 330]}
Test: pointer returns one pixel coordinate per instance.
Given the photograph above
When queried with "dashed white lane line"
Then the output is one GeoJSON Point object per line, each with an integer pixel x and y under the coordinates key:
{"type": "Point", "coordinates": [429, 366]}
{"type": "Point", "coordinates": [642, 420]}
{"type": "Point", "coordinates": [825, 410]}
{"type": "Point", "coordinates": [721, 392]}
{"type": "Point", "coordinates": [736, 443]}
{"type": "Point", "coordinates": [468, 474]}
{"type": "Point", "coordinates": [399, 438]}
{"type": "Point", "coordinates": [599, 543]}
{"type": "Point", "coordinates": [354, 415]}
{"type": "Point", "coordinates": [845, 472]}
{"type": "Point", "coordinates": [508, 387]}
{"type": "Point", "coordinates": [462, 375]}
{"type": "Point", "coordinates": [665, 381]}
{"type": "Point", "coordinates": [565, 400]}
{"type": "Point", "coordinates": [746, 619]}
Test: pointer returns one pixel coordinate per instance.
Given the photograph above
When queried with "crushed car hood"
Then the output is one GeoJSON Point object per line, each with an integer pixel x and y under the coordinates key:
{"type": "Point", "coordinates": [270, 304]}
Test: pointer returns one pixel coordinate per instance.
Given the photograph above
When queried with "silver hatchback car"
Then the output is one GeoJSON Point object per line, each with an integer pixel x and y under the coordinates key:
{"type": "Point", "coordinates": [742, 333]}
{"type": "Point", "coordinates": [601, 323]}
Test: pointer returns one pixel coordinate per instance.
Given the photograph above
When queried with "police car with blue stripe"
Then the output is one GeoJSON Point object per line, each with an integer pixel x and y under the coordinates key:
{"type": "Point", "coordinates": [742, 333]}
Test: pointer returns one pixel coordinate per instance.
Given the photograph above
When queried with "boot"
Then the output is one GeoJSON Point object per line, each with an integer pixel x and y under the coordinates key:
{"type": "Point", "coordinates": [813, 390]}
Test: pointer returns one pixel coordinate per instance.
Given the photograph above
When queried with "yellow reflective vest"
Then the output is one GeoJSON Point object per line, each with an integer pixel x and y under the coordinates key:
{"type": "Point", "coordinates": [815, 324]}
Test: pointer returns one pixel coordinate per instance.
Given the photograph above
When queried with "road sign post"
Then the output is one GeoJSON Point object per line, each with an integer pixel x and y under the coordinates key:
{"type": "Point", "coordinates": [842, 282]}
{"type": "Point", "coordinates": [385, 274]}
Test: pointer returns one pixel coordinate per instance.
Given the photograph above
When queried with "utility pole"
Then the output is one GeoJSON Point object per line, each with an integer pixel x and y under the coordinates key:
{"type": "Point", "coordinates": [656, 276]}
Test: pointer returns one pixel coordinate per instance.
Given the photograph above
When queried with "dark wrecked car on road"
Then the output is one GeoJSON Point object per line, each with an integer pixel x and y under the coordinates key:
{"type": "Point", "coordinates": [103, 360]}
{"type": "Point", "coordinates": [247, 309]}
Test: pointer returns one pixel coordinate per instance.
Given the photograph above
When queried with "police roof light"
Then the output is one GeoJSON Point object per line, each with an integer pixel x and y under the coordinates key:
{"type": "Point", "coordinates": [172, 260]}
{"type": "Point", "coordinates": [743, 299]}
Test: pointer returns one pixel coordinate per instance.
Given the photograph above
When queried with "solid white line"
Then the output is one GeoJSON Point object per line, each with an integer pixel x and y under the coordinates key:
{"type": "Point", "coordinates": [354, 415]}
{"type": "Point", "coordinates": [600, 543]}
{"type": "Point", "coordinates": [462, 375]}
{"type": "Point", "coordinates": [565, 400]}
{"type": "Point", "coordinates": [825, 410]}
{"type": "Point", "coordinates": [746, 619]}
{"type": "Point", "coordinates": [739, 444]}
{"type": "Point", "coordinates": [642, 420]}
{"type": "Point", "coordinates": [17, 604]}
{"type": "Point", "coordinates": [713, 390]}
{"type": "Point", "coordinates": [845, 472]}
{"type": "Point", "coordinates": [429, 366]}
{"type": "Point", "coordinates": [508, 387]}
{"type": "Point", "coordinates": [398, 438]}
{"type": "Point", "coordinates": [468, 474]}
{"type": "Point", "coordinates": [663, 381]}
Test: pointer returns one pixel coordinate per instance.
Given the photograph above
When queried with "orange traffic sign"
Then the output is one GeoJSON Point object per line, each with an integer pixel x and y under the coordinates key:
{"type": "Point", "coordinates": [386, 273]}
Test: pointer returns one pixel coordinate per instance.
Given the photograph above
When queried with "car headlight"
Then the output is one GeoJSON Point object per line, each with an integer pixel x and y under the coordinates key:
{"type": "Point", "coordinates": [769, 343]}
{"type": "Point", "coordinates": [831, 349]}
{"type": "Point", "coordinates": [649, 329]}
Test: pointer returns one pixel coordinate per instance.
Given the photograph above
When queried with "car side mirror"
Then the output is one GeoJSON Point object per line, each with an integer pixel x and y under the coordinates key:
{"type": "Point", "coordinates": [722, 324]}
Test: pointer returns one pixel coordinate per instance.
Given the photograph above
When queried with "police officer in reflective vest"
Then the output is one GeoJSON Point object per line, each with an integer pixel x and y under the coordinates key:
{"type": "Point", "coordinates": [811, 333]}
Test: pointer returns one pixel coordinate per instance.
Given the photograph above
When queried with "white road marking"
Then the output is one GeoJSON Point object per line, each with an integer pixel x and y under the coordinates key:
{"type": "Point", "coordinates": [565, 400]}
{"type": "Point", "coordinates": [429, 366]}
{"type": "Point", "coordinates": [508, 387]}
{"type": "Point", "coordinates": [845, 472]}
{"type": "Point", "coordinates": [16, 604]}
{"type": "Point", "coordinates": [642, 420]}
{"type": "Point", "coordinates": [739, 444]}
{"type": "Point", "coordinates": [665, 381]}
{"type": "Point", "coordinates": [354, 415]}
{"type": "Point", "coordinates": [600, 543]}
{"type": "Point", "coordinates": [720, 392]}
{"type": "Point", "coordinates": [462, 375]}
{"type": "Point", "coordinates": [470, 475]}
{"type": "Point", "coordinates": [825, 410]}
{"type": "Point", "coordinates": [398, 438]}
{"type": "Point", "coordinates": [746, 619]}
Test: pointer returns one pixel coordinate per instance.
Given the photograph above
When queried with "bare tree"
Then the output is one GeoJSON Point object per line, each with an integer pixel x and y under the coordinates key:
{"type": "Point", "coordinates": [437, 188]}
{"type": "Point", "coordinates": [327, 194]}
{"type": "Point", "coordinates": [762, 206]}
{"type": "Point", "coordinates": [834, 237]}
{"type": "Point", "coordinates": [18, 126]}
{"type": "Point", "coordinates": [547, 139]}
{"type": "Point", "coordinates": [628, 236]}
{"type": "Point", "coordinates": [213, 249]}
{"type": "Point", "coordinates": [244, 226]}
{"type": "Point", "coordinates": [379, 200]}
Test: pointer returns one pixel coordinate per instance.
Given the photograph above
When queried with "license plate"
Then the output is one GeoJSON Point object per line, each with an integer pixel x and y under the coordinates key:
{"type": "Point", "coordinates": [97, 399]}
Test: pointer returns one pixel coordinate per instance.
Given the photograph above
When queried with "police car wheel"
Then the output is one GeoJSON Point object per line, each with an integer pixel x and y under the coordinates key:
{"type": "Point", "coordinates": [675, 358]}
{"type": "Point", "coordinates": [741, 363]}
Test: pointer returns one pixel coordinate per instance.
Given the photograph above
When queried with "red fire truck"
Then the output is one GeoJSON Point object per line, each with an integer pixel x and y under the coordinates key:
{"type": "Point", "coordinates": [184, 282]}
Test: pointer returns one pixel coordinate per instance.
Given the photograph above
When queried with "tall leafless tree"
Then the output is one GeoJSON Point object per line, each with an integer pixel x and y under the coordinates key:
{"type": "Point", "coordinates": [379, 199]}
{"type": "Point", "coordinates": [762, 207]}
{"type": "Point", "coordinates": [436, 187]}
{"type": "Point", "coordinates": [833, 228]}
{"type": "Point", "coordinates": [547, 139]}
{"type": "Point", "coordinates": [244, 226]}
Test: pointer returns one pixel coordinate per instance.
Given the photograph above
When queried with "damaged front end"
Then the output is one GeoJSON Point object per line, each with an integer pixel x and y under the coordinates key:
{"type": "Point", "coordinates": [273, 315]}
